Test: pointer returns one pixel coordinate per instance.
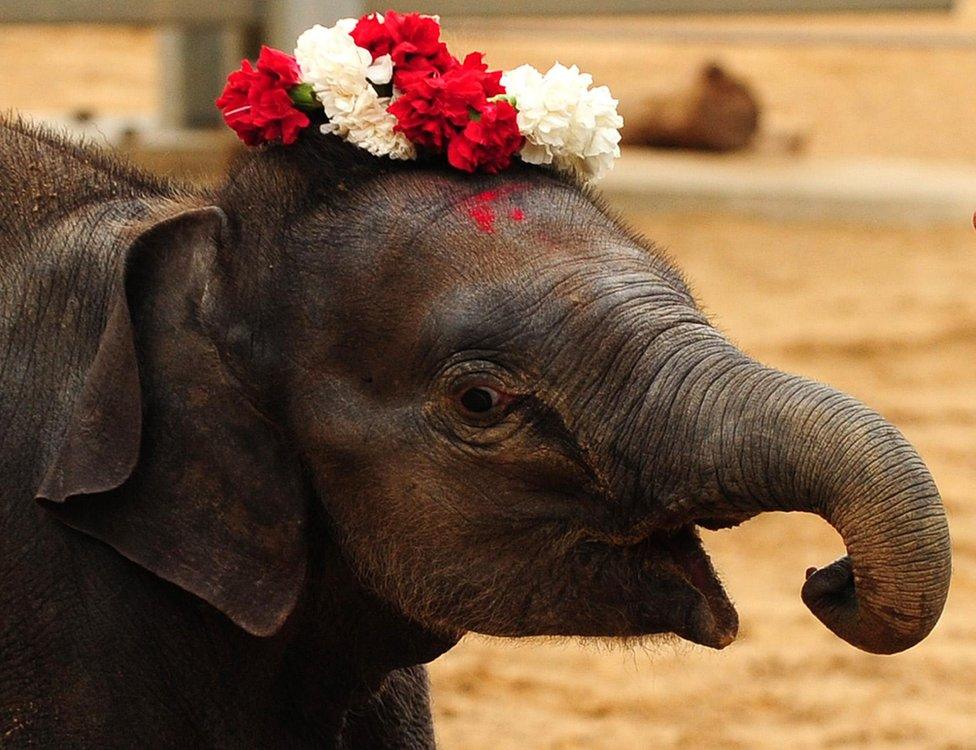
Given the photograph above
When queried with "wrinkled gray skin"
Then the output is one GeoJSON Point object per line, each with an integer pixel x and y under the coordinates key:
{"type": "Point", "coordinates": [292, 439]}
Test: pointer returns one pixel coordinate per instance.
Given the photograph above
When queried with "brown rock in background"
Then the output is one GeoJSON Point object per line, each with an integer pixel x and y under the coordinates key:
{"type": "Point", "coordinates": [716, 113]}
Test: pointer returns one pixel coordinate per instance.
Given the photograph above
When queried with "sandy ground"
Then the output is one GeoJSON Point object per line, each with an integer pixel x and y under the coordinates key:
{"type": "Point", "coordinates": [886, 314]}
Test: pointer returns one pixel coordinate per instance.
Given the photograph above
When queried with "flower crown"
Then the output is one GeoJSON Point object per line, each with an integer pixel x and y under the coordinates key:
{"type": "Point", "coordinates": [387, 84]}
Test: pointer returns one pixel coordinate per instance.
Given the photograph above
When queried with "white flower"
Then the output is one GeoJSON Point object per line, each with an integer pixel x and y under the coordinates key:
{"type": "Point", "coordinates": [564, 121]}
{"type": "Point", "coordinates": [369, 126]}
{"type": "Point", "coordinates": [343, 75]}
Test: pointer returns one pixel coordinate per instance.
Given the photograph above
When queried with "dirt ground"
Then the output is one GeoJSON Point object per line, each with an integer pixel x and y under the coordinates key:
{"type": "Point", "coordinates": [886, 314]}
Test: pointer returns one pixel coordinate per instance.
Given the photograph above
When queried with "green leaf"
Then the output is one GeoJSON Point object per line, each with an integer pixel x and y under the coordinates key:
{"type": "Point", "coordinates": [303, 96]}
{"type": "Point", "coordinates": [510, 98]}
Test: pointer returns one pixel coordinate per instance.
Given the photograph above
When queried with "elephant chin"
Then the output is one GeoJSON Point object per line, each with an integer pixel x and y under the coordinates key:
{"type": "Point", "coordinates": [713, 621]}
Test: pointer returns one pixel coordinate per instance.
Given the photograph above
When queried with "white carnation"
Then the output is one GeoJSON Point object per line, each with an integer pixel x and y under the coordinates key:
{"type": "Point", "coordinates": [369, 126]}
{"type": "Point", "coordinates": [564, 121]}
{"type": "Point", "coordinates": [343, 75]}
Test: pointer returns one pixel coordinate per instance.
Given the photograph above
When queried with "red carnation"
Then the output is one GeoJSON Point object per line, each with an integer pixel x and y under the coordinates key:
{"type": "Point", "coordinates": [371, 33]}
{"type": "Point", "coordinates": [434, 108]}
{"type": "Point", "coordinates": [412, 40]}
{"type": "Point", "coordinates": [489, 141]}
{"type": "Point", "coordinates": [256, 104]}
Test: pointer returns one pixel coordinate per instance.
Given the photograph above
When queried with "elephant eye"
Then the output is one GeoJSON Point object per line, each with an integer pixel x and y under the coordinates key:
{"type": "Point", "coordinates": [479, 401]}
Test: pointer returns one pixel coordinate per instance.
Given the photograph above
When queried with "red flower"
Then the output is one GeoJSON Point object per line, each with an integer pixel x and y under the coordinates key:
{"type": "Point", "coordinates": [280, 65]}
{"type": "Point", "coordinates": [372, 34]}
{"type": "Point", "coordinates": [412, 40]}
{"type": "Point", "coordinates": [255, 103]}
{"type": "Point", "coordinates": [434, 108]}
{"type": "Point", "coordinates": [489, 141]}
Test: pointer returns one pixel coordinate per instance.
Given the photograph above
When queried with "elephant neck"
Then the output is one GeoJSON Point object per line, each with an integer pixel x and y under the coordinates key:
{"type": "Point", "coordinates": [344, 641]}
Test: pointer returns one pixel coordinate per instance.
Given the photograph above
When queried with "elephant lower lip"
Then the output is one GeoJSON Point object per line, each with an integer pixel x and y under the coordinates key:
{"type": "Point", "coordinates": [712, 620]}
{"type": "Point", "coordinates": [667, 583]}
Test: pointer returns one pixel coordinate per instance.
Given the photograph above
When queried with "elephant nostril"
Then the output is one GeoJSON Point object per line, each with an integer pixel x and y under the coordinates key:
{"type": "Point", "coordinates": [830, 588]}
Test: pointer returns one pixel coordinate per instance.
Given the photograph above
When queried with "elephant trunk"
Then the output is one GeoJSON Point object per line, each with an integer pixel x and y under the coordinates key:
{"type": "Point", "coordinates": [770, 441]}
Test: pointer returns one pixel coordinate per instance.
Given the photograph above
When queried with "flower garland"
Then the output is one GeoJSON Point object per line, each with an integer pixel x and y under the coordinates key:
{"type": "Point", "coordinates": [388, 84]}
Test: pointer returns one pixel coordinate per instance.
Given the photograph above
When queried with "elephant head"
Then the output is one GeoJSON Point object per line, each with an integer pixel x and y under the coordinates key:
{"type": "Point", "coordinates": [509, 407]}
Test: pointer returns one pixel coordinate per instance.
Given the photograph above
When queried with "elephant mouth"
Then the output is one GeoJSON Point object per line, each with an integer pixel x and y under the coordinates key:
{"type": "Point", "coordinates": [681, 592]}
{"type": "Point", "coordinates": [714, 621]}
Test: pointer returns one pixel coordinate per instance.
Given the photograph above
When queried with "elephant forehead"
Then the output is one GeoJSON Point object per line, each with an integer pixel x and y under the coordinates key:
{"type": "Point", "coordinates": [473, 223]}
{"type": "Point", "coordinates": [408, 243]}
{"type": "Point", "coordinates": [477, 257]}
{"type": "Point", "coordinates": [504, 207]}
{"type": "Point", "coordinates": [494, 230]}
{"type": "Point", "coordinates": [620, 292]}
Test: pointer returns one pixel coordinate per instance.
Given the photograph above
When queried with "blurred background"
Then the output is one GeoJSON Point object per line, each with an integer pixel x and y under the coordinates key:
{"type": "Point", "coordinates": [811, 165]}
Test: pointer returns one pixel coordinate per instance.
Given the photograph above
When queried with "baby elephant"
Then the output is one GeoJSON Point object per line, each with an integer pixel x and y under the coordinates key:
{"type": "Point", "coordinates": [266, 450]}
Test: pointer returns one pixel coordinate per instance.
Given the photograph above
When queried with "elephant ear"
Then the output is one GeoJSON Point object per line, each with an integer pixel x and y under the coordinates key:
{"type": "Point", "coordinates": [165, 458]}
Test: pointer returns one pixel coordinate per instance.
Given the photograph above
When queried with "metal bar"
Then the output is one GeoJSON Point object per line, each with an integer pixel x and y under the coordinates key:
{"type": "Point", "coordinates": [745, 34]}
{"type": "Point", "coordinates": [131, 11]}
{"type": "Point", "coordinates": [251, 11]}
{"type": "Point", "coordinates": [195, 63]}
{"type": "Point", "coordinates": [286, 19]}
{"type": "Point", "coordinates": [650, 7]}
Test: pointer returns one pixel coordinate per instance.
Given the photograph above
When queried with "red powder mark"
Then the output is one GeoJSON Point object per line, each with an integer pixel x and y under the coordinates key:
{"type": "Point", "coordinates": [484, 217]}
{"type": "Point", "coordinates": [482, 213]}
{"type": "Point", "coordinates": [489, 196]}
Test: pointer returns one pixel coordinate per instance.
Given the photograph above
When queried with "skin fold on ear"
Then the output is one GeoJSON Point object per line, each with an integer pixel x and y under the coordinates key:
{"type": "Point", "coordinates": [164, 457]}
